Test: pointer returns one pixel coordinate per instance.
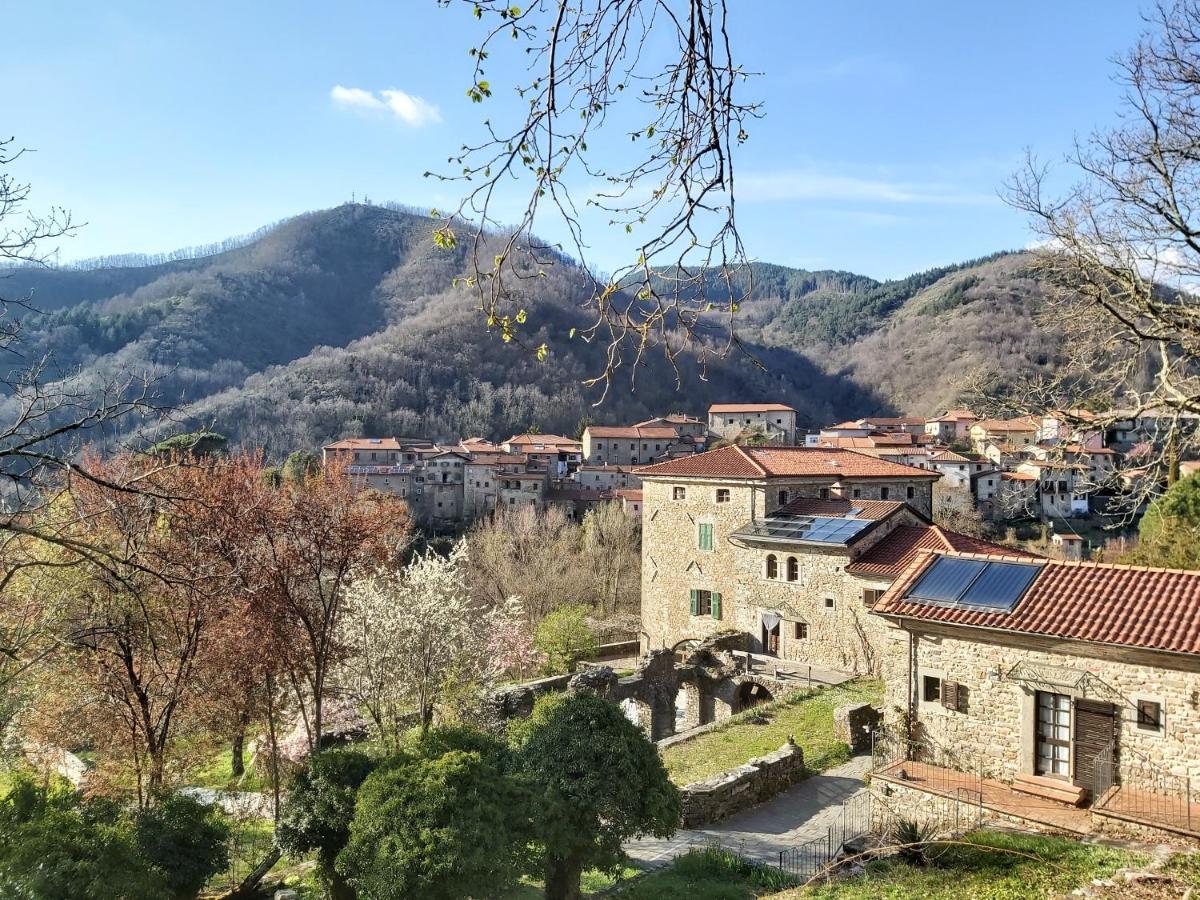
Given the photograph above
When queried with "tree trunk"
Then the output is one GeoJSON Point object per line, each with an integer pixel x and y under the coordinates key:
{"type": "Point", "coordinates": [562, 878]}
{"type": "Point", "coordinates": [237, 753]}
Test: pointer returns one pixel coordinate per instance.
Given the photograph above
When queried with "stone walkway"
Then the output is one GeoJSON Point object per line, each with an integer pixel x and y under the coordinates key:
{"type": "Point", "coordinates": [801, 813]}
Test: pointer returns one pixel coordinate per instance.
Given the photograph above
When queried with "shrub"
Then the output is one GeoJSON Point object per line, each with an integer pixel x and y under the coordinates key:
{"type": "Point", "coordinates": [912, 839]}
{"type": "Point", "coordinates": [185, 840]}
{"type": "Point", "coordinates": [562, 637]}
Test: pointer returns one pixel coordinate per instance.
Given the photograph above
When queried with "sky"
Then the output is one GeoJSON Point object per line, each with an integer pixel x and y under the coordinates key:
{"type": "Point", "coordinates": [889, 128]}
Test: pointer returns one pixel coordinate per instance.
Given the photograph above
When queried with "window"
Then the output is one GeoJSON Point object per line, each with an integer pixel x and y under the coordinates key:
{"type": "Point", "coordinates": [678, 493]}
{"type": "Point", "coordinates": [783, 497]}
{"type": "Point", "coordinates": [772, 566]}
{"type": "Point", "coordinates": [802, 631]}
{"type": "Point", "coordinates": [824, 493]}
{"type": "Point", "coordinates": [1149, 715]}
{"type": "Point", "coordinates": [857, 493]}
{"type": "Point", "coordinates": [706, 603]}
{"type": "Point", "coordinates": [911, 492]}
{"type": "Point", "coordinates": [931, 689]}
{"type": "Point", "coordinates": [793, 569]}
{"type": "Point", "coordinates": [883, 493]}
{"type": "Point", "coordinates": [829, 603]}
{"type": "Point", "coordinates": [722, 495]}
{"type": "Point", "coordinates": [871, 596]}
{"type": "Point", "coordinates": [705, 535]}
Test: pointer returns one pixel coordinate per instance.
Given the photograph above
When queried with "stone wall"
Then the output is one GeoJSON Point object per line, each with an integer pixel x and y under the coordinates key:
{"type": "Point", "coordinates": [855, 725]}
{"type": "Point", "coordinates": [759, 779]}
{"type": "Point", "coordinates": [996, 721]}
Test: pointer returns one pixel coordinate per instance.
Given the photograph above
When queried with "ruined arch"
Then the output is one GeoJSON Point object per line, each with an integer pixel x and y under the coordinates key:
{"type": "Point", "coordinates": [750, 692]}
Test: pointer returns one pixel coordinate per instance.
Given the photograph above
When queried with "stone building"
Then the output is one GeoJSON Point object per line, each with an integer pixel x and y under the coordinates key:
{"type": "Point", "coordinates": [762, 540]}
{"type": "Point", "coordinates": [481, 480]}
{"type": "Point", "coordinates": [606, 478]}
{"type": "Point", "coordinates": [559, 455]}
{"type": "Point", "coordinates": [1073, 681]}
{"type": "Point", "coordinates": [686, 426]}
{"type": "Point", "coordinates": [627, 445]}
{"type": "Point", "coordinates": [775, 421]}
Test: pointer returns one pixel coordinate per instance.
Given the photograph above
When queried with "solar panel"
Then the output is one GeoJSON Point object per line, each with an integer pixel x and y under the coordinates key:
{"type": "Point", "coordinates": [811, 529]}
{"type": "Point", "coordinates": [999, 586]}
{"type": "Point", "coordinates": [946, 579]}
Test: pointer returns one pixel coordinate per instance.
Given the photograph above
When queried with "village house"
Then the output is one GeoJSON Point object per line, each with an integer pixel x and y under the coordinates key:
{"type": "Point", "coordinates": [1057, 497]}
{"type": "Point", "coordinates": [1014, 433]}
{"type": "Point", "coordinates": [758, 539]}
{"type": "Point", "coordinates": [482, 473]}
{"type": "Point", "coordinates": [374, 451]}
{"type": "Point", "coordinates": [1016, 497]}
{"type": "Point", "coordinates": [606, 478]}
{"type": "Point", "coordinates": [1070, 682]}
{"type": "Point", "coordinates": [684, 425]}
{"type": "Point", "coordinates": [627, 445]}
{"type": "Point", "coordinates": [956, 469]}
{"type": "Point", "coordinates": [776, 422]}
{"type": "Point", "coordinates": [952, 427]}
{"type": "Point", "coordinates": [560, 455]}
{"type": "Point", "coordinates": [631, 501]}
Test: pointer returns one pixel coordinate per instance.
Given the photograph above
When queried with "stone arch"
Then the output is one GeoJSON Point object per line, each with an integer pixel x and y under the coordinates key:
{"type": "Point", "coordinates": [750, 692]}
{"type": "Point", "coordinates": [638, 712]}
{"type": "Point", "coordinates": [772, 566]}
{"type": "Point", "coordinates": [689, 710]}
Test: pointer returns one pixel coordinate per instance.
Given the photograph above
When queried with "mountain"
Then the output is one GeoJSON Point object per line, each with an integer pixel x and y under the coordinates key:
{"type": "Point", "coordinates": [345, 322]}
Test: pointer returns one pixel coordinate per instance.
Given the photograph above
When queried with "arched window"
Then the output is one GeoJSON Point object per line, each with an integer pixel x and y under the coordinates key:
{"type": "Point", "coordinates": [772, 566]}
{"type": "Point", "coordinates": [793, 569]}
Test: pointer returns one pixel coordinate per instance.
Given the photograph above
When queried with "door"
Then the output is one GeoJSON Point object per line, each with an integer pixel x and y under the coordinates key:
{"type": "Point", "coordinates": [1095, 731]}
{"type": "Point", "coordinates": [770, 638]}
{"type": "Point", "coordinates": [1053, 748]}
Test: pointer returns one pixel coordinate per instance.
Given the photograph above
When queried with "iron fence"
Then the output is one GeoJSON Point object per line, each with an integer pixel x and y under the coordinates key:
{"type": "Point", "coordinates": [854, 820]}
{"type": "Point", "coordinates": [924, 764]}
{"type": "Point", "coordinates": [1135, 787]}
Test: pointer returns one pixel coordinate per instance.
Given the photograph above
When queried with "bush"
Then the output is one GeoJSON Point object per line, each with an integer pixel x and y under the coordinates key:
{"type": "Point", "coordinates": [185, 840]}
{"type": "Point", "coordinates": [441, 822]}
{"type": "Point", "coordinates": [563, 637]}
{"type": "Point", "coordinates": [319, 808]}
{"type": "Point", "coordinates": [55, 844]}
{"type": "Point", "coordinates": [912, 839]}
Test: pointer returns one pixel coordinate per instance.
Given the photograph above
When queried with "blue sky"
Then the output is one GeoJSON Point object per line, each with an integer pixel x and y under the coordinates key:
{"type": "Point", "coordinates": [889, 127]}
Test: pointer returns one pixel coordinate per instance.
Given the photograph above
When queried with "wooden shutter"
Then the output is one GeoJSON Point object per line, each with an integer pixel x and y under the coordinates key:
{"type": "Point", "coordinates": [1097, 725]}
{"type": "Point", "coordinates": [695, 602]}
{"type": "Point", "coordinates": [950, 695]}
{"type": "Point", "coordinates": [716, 605]}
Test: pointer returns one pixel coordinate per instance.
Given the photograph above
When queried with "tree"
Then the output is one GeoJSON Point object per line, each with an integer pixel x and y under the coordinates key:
{"type": "Point", "coordinates": [672, 189]}
{"type": "Point", "coordinates": [562, 638]}
{"type": "Point", "coordinates": [299, 465]}
{"type": "Point", "coordinates": [185, 840]}
{"type": "Point", "coordinates": [612, 552]}
{"type": "Point", "coordinates": [597, 781]}
{"type": "Point", "coordinates": [319, 809]}
{"type": "Point", "coordinates": [1121, 250]}
{"type": "Point", "coordinates": [441, 822]}
{"type": "Point", "coordinates": [954, 509]}
{"type": "Point", "coordinates": [1169, 532]}
{"type": "Point", "coordinates": [413, 636]}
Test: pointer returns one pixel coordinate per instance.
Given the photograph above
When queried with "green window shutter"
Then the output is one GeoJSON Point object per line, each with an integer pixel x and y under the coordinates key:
{"type": "Point", "coordinates": [716, 605]}
{"type": "Point", "coordinates": [706, 536]}
{"type": "Point", "coordinates": [695, 602]}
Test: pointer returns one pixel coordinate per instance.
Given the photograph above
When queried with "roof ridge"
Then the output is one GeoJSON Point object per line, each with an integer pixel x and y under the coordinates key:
{"type": "Point", "coordinates": [750, 459]}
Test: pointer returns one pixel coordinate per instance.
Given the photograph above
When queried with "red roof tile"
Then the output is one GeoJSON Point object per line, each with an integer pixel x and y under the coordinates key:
{"type": "Point", "coordinates": [785, 462]}
{"type": "Point", "coordinates": [638, 432]}
{"type": "Point", "coordinates": [749, 407]}
{"type": "Point", "coordinates": [1129, 606]}
{"type": "Point", "coordinates": [897, 551]}
{"type": "Point", "coordinates": [867, 509]}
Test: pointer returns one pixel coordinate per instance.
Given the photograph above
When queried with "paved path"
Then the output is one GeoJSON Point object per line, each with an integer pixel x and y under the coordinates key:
{"type": "Point", "coordinates": [801, 813]}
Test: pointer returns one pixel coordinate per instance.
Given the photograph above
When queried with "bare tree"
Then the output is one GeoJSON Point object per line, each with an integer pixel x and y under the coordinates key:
{"type": "Point", "coordinates": [670, 185]}
{"type": "Point", "coordinates": [1121, 252]}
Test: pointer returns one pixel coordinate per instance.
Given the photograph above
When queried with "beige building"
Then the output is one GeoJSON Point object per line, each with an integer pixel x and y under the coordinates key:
{"type": "Point", "coordinates": [1071, 681]}
{"type": "Point", "coordinates": [952, 427]}
{"type": "Point", "coordinates": [686, 426]}
{"type": "Point", "coordinates": [713, 561]}
{"type": "Point", "coordinates": [627, 445]}
{"type": "Point", "coordinates": [560, 455]}
{"type": "Point", "coordinates": [1019, 432]}
{"type": "Point", "coordinates": [775, 421]}
{"type": "Point", "coordinates": [606, 478]}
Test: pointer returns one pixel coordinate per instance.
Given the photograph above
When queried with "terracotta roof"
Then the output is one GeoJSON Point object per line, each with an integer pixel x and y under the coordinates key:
{"type": "Point", "coordinates": [1020, 424]}
{"type": "Point", "coordinates": [631, 494]}
{"type": "Point", "coordinates": [785, 462]}
{"type": "Point", "coordinates": [956, 415]}
{"type": "Point", "coordinates": [837, 506]}
{"type": "Point", "coordinates": [605, 468]}
{"type": "Point", "coordinates": [1017, 476]}
{"type": "Point", "coordinates": [542, 440]}
{"type": "Point", "coordinates": [900, 548]}
{"type": "Point", "coordinates": [387, 443]}
{"type": "Point", "coordinates": [749, 407]}
{"type": "Point", "coordinates": [1129, 606]}
{"type": "Point", "coordinates": [638, 432]}
{"type": "Point", "coordinates": [673, 419]}
{"type": "Point", "coordinates": [948, 456]}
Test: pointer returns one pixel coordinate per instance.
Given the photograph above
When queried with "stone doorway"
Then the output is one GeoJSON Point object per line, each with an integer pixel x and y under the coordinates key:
{"type": "Point", "coordinates": [771, 623]}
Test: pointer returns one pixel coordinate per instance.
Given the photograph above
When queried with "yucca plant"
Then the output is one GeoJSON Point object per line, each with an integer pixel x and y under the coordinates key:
{"type": "Point", "coordinates": [912, 839]}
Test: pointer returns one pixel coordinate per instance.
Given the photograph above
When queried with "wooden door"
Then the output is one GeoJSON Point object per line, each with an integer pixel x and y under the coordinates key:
{"type": "Point", "coordinates": [1053, 748]}
{"type": "Point", "coordinates": [1096, 728]}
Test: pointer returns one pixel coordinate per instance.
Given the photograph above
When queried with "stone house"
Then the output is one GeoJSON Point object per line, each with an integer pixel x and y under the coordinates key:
{"type": "Point", "coordinates": [684, 425]}
{"type": "Point", "coordinates": [776, 421]}
{"type": "Point", "coordinates": [957, 470]}
{"type": "Point", "coordinates": [631, 501]}
{"type": "Point", "coordinates": [606, 478]}
{"type": "Point", "coordinates": [1016, 496]}
{"type": "Point", "coordinates": [1072, 681]}
{"type": "Point", "coordinates": [481, 480]}
{"type": "Point", "coordinates": [952, 427]}
{"type": "Point", "coordinates": [558, 454]}
{"type": "Point", "coordinates": [1057, 494]}
{"type": "Point", "coordinates": [627, 445]}
{"type": "Point", "coordinates": [374, 451]}
{"type": "Point", "coordinates": [523, 488]}
{"type": "Point", "coordinates": [709, 565]}
{"type": "Point", "coordinates": [1019, 432]}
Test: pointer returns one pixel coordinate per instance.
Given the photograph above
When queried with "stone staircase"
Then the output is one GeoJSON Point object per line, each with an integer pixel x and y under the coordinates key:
{"type": "Point", "coordinates": [1049, 789]}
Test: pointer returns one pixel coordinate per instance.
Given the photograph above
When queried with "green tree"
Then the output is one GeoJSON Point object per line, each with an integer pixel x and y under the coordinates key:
{"type": "Point", "coordinates": [443, 821]}
{"type": "Point", "coordinates": [562, 637]}
{"type": "Point", "coordinates": [596, 780]}
{"type": "Point", "coordinates": [319, 808]}
{"type": "Point", "coordinates": [196, 443]}
{"type": "Point", "coordinates": [299, 465]}
{"type": "Point", "coordinates": [185, 840]}
{"type": "Point", "coordinates": [1179, 506]}
{"type": "Point", "coordinates": [55, 844]}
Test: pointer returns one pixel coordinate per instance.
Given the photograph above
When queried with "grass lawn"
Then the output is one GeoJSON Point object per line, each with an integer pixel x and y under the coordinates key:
{"type": "Point", "coordinates": [216, 771]}
{"type": "Point", "coordinates": [979, 872]}
{"type": "Point", "coordinates": [806, 715]}
{"type": "Point", "coordinates": [531, 889]}
{"type": "Point", "coordinates": [708, 874]}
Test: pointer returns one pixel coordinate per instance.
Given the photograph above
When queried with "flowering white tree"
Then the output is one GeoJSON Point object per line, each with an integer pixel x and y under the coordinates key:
{"type": "Point", "coordinates": [416, 636]}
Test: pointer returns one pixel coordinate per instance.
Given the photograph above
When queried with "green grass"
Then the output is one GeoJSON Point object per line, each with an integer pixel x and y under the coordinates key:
{"type": "Point", "coordinates": [805, 715]}
{"type": "Point", "coordinates": [981, 871]}
{"type": "Point", "coordinates": [711, 873]}
{"type": "Point", "coordinates": [216, 771]}
{"type": "Point", "coordinates": [1185, 867]}
{"type": "Point", "coordinates": [592, 881]}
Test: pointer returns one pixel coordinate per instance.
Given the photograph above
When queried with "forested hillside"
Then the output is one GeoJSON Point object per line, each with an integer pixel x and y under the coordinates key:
{"type": "Point", "coordinates": [345, 322]}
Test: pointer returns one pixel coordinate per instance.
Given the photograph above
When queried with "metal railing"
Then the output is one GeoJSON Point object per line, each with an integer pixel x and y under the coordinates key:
{"type": "Point", "coordinates": [1136, 787]}
{"type": "Point", "coordinates": [924, 764]}
{"type": "Point", "coordinates": [815, 856]}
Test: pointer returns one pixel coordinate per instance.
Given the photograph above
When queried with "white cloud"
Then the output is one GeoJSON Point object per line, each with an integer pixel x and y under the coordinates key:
{"type": "Point", "coordinates": [414, 111]}
{"type": "Point", "coordinates": [813, 184]}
